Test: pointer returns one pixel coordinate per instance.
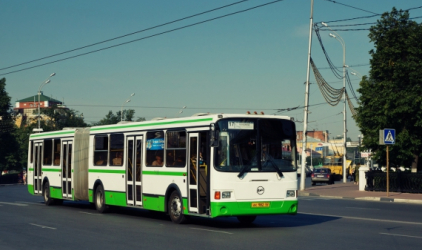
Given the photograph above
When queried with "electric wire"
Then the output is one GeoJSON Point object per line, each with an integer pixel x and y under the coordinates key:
{"type": "Point", "coordinates": [126, 35]}
{"type": "Point", "coordinates": [146, 37]}
{"type": "Point", "coordinates": [331, 95]}
{"type": "Point", "coordinates": [350, 6]}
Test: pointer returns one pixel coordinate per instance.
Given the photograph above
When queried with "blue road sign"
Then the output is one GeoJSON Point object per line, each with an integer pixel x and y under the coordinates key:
{"type": "Point", "coordinates": [389, 136]}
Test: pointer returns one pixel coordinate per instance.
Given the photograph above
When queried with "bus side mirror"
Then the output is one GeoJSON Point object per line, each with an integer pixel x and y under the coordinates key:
{"type": "Point", "coordinates": [213, 138]}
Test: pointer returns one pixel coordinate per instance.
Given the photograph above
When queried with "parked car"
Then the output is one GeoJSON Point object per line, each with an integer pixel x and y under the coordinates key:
{"type": "Point", "coordinates": [322, 175]}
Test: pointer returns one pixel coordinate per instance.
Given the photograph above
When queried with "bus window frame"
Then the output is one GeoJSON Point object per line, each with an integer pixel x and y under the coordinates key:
{"type": "Point", "coordinates": [102, 150]}
{"type": "Point", "coordinates": [174, 149]}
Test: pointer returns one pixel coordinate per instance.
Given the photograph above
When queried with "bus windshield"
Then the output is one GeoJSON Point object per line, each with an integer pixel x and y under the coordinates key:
{"type": "Point", "coordinates": [255, 145]}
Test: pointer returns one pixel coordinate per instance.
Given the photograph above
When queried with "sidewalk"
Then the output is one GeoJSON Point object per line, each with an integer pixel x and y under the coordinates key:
{"type": "Point", "coordinates": [348, 190]}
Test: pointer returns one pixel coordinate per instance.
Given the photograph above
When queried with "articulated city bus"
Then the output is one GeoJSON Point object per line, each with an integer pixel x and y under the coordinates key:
{"type": "Point", "coordinates": [205, 165]}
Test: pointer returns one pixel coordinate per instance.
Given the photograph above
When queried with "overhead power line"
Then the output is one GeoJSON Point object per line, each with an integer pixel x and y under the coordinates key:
{"type": "Point", "coordinates": [351, 6]}
{"type": "Point", "coordinates": [126, 35]}
{"type": "Point", "coordinates": [146, 37]}
{"type": "Point", "coordinates": [363, 17]}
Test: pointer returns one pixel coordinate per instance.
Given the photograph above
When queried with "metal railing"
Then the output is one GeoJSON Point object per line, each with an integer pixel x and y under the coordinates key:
{"type": "Point", "coordinates": [403, 182]}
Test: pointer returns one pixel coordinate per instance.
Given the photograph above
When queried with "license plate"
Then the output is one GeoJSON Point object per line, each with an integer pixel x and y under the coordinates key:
{"type": "Point", "coordinates": [320, 175]}
{"type": "Point", "coordinates": [260, 204]}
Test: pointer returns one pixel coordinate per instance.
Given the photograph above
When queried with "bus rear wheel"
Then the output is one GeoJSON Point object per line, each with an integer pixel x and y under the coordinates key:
{"type": "Point", "coordinates": [99, 200]}
{"type": "Point", "coordinates": [175, 208]}
{"type": "Point", "coordinates": [46, 194]}
{"type": "Point", "coordinates": [246, 220]}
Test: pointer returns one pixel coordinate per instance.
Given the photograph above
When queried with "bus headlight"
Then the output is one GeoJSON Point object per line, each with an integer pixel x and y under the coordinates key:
{"type": "Point", "coordinates": [226, 195]}
{"type": "Point", "coordinates": [291, 193]}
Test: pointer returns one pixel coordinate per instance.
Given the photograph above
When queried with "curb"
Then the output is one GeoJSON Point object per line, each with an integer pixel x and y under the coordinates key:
{"type": "Point", "coordinates": [384, 199]}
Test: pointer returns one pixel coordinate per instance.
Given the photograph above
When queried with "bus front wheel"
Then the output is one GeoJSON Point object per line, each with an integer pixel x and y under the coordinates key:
{"type": "Point", "coordinates": [175, 208]}
{"type": "Point", "coordinates": [46, 194]}
{"type": "Point", "coordinates": [99, 200]}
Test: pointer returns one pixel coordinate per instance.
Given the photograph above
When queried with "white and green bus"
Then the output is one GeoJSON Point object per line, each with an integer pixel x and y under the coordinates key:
{"type": "Point", "coordinates": [205, 165]}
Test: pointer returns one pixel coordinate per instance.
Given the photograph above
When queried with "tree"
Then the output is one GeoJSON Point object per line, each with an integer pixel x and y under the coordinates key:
{"type": "Point", "coordinates": [60, 118]}
{"type": "Point", "coordinates": [391, 97]}
{"type": "Point", "coordinates": [111, 118]}
{"type": "Point", "coordinates": [9, 147]}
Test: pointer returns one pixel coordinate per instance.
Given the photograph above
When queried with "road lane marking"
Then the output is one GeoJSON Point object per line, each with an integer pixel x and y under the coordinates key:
{"type": "Point", "coordinates": [32, 203]}
{"type": "Point", "coordinates": [363, 208]}
{"type": "Point", "coordinates": [88, 213]}
{"type": "Point", "coordinates": [214, 231]}
{"type": "Point", "coordinates": [42, 226]}
{"type": "Point", "coordinates": [14, 204]}
{"type": "Point", "coordinates": [367, 219]}
{"type": "Point", "coordinates": [403, 235]}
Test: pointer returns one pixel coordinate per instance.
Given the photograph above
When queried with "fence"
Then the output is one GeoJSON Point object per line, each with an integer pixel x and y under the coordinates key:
{"type": "Point", "coordinates": [403, 182]}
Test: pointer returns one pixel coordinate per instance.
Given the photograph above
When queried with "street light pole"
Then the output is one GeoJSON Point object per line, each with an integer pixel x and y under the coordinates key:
{"type": "Point", "coordinates": [343, 44]}
{"type": "Point", "coordinates": [121, 111]}
{"type": "Point", "coordinates": [39, 95]}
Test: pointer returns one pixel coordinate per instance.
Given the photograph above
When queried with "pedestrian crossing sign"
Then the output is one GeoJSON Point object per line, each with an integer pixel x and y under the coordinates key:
{"type": "Point", "coordinates": [387, 136]}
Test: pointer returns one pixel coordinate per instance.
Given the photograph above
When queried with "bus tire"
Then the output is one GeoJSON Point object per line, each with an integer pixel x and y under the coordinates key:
{"type": "Point", "coordinates": [99, 200]}
{"type": "Point", "coordinates": [46, 194]}
{"type": "Point", "coordinates": [246, 220]}
{"type": "Point", "coordinates": [175, 208]}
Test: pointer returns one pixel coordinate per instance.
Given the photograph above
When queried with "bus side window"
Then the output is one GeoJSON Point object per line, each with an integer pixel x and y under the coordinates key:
{"type": "Point", "coordinates": [155, 149]}
{"type": "Point", "coordinates": [100, 150]}
{"type": "Point", "coordinates": [56, 152]}
{"type": "Point", "coordinates": [48, 151]}
{"type": "Point", "coordinates": [116, 149]}
{"type": "Point", "coordinates": [175, 149]}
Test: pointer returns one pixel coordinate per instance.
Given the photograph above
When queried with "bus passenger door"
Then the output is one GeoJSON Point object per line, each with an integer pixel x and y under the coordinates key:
{"type": "Point", "coordinates": [193, 172]}
{"type": "Point", "coordinates": [133, 170]}
{"type": "Point", "coordinates": [67, 169]}
{"type": "Point", "coordinates": [37, 168]}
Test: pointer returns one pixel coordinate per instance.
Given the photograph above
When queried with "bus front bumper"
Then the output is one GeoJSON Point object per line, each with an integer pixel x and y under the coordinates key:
{"type": "Point", "coordinates": [219, 209]}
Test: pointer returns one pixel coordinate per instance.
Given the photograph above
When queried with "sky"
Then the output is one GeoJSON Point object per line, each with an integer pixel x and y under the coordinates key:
{"type": "Point", "coordinates": [255, 60]}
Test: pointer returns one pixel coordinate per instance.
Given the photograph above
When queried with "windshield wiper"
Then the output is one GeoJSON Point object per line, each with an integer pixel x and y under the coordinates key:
{"type": "Point", "coordinates": [270, 160]}
{"type": "Point", "coordinates": [243, 170]}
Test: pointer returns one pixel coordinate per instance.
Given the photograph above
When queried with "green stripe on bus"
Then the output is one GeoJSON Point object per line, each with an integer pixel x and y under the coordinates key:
{"type": "Point", "coordinates": [106, 171]}
{"type": "Point", "coordinates": [115, 198]}
{"type": "Point", "coordinates": [164, 173]}
{"type": "Point", "coordinates": [31, 189]}
{"type": "Point", "coordinates": [56, 193]}
{"type": "Point", "coordinates": [30, 169]}
{"type": "Point", "coordinates": [154, 203]}
{"type": "Point", "coordinates": [51, 169]}
{"type": "Point", "coordinates": [54, 133]}
{"type": "Point", "coordinates": [245, 208]}
{"type": "Point", "coordinates": [152, 124]}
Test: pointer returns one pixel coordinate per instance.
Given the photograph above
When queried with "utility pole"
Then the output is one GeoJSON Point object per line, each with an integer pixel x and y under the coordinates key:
{"type": "Point", "coordinates": [305, 113]}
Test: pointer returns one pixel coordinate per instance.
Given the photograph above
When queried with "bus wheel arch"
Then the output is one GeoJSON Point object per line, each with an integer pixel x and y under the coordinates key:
{"type": "Point", "coordinates": [170, 189]}
{"type": "Point", "coordinates": [46, 192]}
{"type": "Point", "coordinates": [99, 197]}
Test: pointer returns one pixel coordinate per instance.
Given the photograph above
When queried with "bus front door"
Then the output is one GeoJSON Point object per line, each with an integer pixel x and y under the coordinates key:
{"type": "Point", "coordinates": [193, 172]}
{"type": "Point", "coordinates": [67, 169]}
{"type": "Point", "coordinates": [37, 167]}
{"type": "Point", "coordinates": [133, 170]}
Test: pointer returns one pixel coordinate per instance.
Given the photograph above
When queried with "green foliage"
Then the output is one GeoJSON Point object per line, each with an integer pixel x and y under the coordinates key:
{"type": "Point", "coordinates": [392, 95]}
{"type": "Point", "coordinates": [9, 147]}
{"type": "Point", "coordinates": [61, 118]}
{"type": "Point", "coordinates": [111, 118]}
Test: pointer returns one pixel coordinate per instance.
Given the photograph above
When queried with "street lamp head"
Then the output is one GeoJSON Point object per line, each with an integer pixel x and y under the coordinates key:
{"type": "Point", "coordinates": [353, 73]}
{"type": "Point", "coordinates": [128, 100]}
{"type": "Point", "coordinates": [47, 81]}
{"type": "Point", "coordinates": [53, 74]}
{"type": "Point", "coordinates": [332, 35]}
{"type": "Point", "coordinates": [324, 24]}
{"type": "Point", "coordinates": [132, 94]}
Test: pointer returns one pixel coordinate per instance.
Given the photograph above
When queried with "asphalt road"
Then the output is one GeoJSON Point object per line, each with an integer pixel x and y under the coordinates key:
{"type": "Point", "coordinates": [321, 223]}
